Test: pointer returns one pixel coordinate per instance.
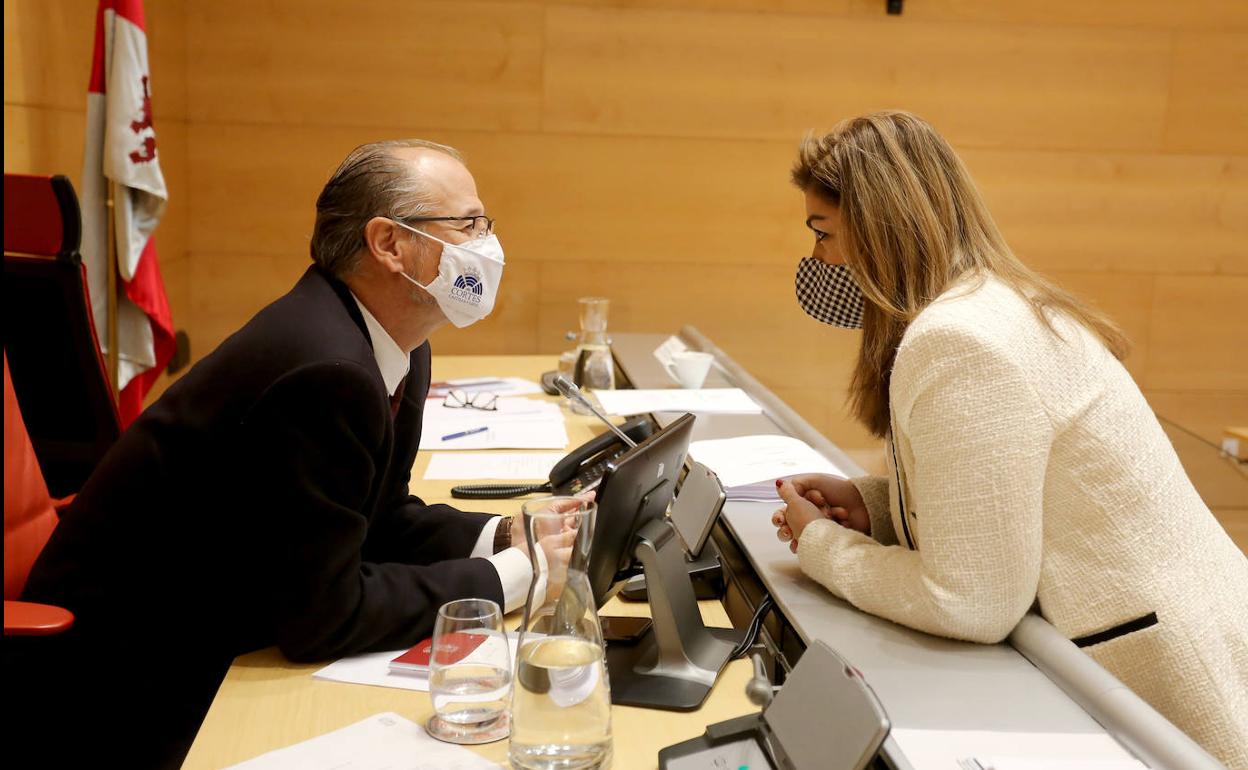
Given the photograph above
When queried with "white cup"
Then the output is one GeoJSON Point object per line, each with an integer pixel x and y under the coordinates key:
{"type": "Point", "coordinates": [689, 368]}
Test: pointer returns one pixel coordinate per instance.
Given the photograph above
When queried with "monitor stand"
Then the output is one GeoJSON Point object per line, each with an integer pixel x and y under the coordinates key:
{"type": "Point", "coordinates": [675, 664]}
{"type": "Point", "coordinates": [705, 572]}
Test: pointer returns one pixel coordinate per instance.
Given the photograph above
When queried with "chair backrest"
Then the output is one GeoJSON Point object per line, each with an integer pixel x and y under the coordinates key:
{"type": "Point", "coordinates": [29, 517]}
{"type": "Point", "coordinates": [49, 334]}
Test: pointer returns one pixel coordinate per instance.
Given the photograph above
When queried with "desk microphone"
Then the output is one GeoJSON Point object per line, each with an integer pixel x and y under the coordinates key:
{"type": "Point", "coordinates": [759, 689]}
{"type": "Point", "coordinates": [570, 391]}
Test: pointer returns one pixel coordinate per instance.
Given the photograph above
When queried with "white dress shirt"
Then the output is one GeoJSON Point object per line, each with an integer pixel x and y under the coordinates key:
{"type": "Point", "coordinates": [512, 565]}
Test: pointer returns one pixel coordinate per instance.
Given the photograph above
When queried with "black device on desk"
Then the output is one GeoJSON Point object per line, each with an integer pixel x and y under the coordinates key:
{"type": "Point", "coordinates": [826, 717]}
{"type": "Point", "coordinates": [581, 469]}
{"type": "Point", "coordinates": [674, 664]}
{"type": "Point", "coordinates": [699, 500]}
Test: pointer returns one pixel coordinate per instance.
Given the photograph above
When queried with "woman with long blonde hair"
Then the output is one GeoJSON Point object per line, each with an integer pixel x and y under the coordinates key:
{"type": "Point", "coordinates": [1025, 467]}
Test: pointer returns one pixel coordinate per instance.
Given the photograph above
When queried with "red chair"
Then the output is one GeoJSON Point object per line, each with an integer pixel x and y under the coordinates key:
{"type": "Point", "coordinates": [29, 518]}
{"type": "Point", "coordinates": [49, 333]}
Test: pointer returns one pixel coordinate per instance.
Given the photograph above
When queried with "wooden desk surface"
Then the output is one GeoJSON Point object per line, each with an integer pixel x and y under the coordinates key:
{"type": "Point", "coordinates": [267, 702]}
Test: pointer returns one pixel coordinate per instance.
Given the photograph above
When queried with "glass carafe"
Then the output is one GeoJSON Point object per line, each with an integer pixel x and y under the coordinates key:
{"type": "Point", "coordinates": [595, 369]}
{"type": "Point", "coordinates": [561, 699]}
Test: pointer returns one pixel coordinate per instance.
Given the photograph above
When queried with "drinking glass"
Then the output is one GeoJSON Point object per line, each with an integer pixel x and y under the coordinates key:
{"type": "Point", "coordinates": [561, 704]}
{"type": "Point", "coordinates": [469, 673]}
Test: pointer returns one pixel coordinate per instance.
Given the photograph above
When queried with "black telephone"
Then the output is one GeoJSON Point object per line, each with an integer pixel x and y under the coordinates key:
{"type": "Point", "coordinates": [580, 470]}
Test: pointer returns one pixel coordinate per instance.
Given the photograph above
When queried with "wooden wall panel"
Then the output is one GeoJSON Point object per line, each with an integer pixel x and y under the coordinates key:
{"type": "Point", "coordinates": [48, 47]}
{"type": "Point", "coordinates": [1163, 14]}
{"type": "Point", "coordinates": [1139, 213]}
{"type": "Point", "coordinates": [379, 62]}
{"type": "Point", "coordinates": [1209, 93]}
{"type": "Point", "coordinates": [226, 290]}
{"type": "Point", "coordinates": [1126, 298]}
{"type": "Point", "coordinates": [1196, 337]}
{"type": "Point", "coordinates": [42, 140]}
{"type": "Point", "coordinates": [726, 75]}
{"type": "Point", "coordinates": [556, 198]}
{"type": "Point", "coordinates": [1206, 414]}
{"type": "Point", "coordinates": [643, 200]}
{"type": "Point", "coordinates": [256, 186]}
{"type": "Point", "coordinates": [813, 7]}
{"type": "Point", "coordinates": [47, 52]}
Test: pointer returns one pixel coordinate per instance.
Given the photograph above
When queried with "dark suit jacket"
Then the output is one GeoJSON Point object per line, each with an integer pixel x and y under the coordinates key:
{"type": "Point", "coordinates": [264, 500]}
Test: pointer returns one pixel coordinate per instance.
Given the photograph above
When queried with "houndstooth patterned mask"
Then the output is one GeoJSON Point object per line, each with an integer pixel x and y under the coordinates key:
{"type": "Point", "coordinates": [829, 294]}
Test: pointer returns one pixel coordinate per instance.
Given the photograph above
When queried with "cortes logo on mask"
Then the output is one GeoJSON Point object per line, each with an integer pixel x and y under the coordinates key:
{"type": "Point", "coordinates": [468, 287]}
{"type": "Point", "coordinates": [468, 278]}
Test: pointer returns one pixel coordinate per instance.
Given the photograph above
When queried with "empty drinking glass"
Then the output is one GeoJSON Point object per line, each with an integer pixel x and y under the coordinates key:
{"type": "Point", "coordinates": [469, 673]}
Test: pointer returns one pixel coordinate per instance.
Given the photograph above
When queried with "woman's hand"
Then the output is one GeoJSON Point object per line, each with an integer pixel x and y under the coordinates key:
{"type": "Point", "coordinates": [811, 497]}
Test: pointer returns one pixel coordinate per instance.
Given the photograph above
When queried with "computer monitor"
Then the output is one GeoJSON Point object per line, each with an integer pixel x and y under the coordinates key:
{"type": "Point", "coordinates": [636, 488]}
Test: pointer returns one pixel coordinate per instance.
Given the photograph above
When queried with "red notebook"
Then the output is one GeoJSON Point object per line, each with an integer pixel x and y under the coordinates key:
{"type": "Point", "coordinates": [455, 647]}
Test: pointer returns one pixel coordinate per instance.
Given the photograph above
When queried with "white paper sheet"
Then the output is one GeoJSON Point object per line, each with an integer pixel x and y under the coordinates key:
{"type": "Point", "coordinates": [748, 466]}
{"type": "Point", "coordinates": [508, 409]}
{"type": "Point", "coordinates": [531, 434]}
{"type": "Point", "coordinates": [384, 741]}
{"type": "Point", "coordinates": [948, 749]}
{"type": "Point", "coordinates": [510, 466]}
{"type": "Point", "coordinates": [373, 668]}
{"type": "Point", "coordinates": [699, 401]}
{"type": "Point", "coordinates": [518, 423]}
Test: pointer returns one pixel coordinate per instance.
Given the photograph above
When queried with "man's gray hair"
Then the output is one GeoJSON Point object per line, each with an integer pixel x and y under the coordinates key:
{"type": "Point", "coordinates": [371, 182]}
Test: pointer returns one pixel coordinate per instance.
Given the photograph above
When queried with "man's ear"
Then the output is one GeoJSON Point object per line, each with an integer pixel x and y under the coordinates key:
{"type": "Point", "coordinates": [382, 240]}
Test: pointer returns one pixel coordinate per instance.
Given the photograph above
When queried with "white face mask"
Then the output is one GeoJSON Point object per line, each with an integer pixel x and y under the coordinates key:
{"type": "Point", "coordinates": [468, 278]}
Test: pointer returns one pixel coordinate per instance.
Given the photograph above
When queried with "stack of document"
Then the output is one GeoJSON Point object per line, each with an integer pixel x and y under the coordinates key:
{"type": "Point", "coordinates": [517, 423]}
{"type": "Point", "coordinates": [699, 401]}
{"type": "Point", "coordinates": [748, 466]}
{"type": "Point", "coordinates": [499, 386]}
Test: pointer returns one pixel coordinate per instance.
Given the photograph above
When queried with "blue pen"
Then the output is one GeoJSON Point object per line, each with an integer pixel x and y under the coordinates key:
{"type": "Point", "coordinates": [462, 433]}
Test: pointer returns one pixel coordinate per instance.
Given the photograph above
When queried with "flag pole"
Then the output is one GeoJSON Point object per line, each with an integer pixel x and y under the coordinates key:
{"type": "Point", "coordinates": [113, 361]}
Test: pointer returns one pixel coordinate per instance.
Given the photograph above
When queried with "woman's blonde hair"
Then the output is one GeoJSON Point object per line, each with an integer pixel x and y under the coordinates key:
{"type": "Point", "coordinates": [913, 224]}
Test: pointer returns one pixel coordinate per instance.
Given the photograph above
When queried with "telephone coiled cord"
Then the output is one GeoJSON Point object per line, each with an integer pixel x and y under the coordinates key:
{"type": "Point", "coordinates": [497, 491]}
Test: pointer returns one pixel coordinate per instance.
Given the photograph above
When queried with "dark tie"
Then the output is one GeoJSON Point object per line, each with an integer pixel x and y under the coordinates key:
{"type": "Point", "coordinates": [397, 398]}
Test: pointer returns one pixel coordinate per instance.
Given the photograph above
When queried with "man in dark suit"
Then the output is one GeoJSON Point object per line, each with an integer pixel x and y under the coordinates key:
{"type": "Point", "coordinates": [264, 498]}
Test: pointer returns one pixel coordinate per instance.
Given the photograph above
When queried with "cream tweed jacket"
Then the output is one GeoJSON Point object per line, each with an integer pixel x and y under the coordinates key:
{"type": "Point", "coordinates": [1027, 469]}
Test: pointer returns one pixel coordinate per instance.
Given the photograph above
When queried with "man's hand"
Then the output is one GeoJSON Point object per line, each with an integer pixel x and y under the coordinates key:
{"type": "Point", "coordinates": [557, 549]}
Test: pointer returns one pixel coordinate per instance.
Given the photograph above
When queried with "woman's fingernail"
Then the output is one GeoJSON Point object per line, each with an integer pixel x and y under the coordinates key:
{"type": "Point", "coordinates": [778, 483]}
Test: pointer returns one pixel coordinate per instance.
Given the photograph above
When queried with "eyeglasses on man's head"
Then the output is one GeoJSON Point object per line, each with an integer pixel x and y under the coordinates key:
{"type": "Point", "coordinates": [477, 226]}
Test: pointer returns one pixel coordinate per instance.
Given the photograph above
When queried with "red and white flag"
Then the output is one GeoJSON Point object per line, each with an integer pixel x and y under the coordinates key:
{"type": "Point", "coordinates": [121, 152]}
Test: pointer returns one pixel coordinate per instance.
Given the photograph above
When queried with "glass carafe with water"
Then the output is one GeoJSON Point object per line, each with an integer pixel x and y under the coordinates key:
{"type": "Point", "coordinates": [595, 368]}
{"type": "Point", "coordinates": [561, 699]}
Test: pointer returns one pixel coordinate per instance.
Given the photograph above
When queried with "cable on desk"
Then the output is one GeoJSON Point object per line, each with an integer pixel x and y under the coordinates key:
{"type": "Point", "coordinates": [751, 631]}
{"type": "Point", "coordinates": [496, 491]}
